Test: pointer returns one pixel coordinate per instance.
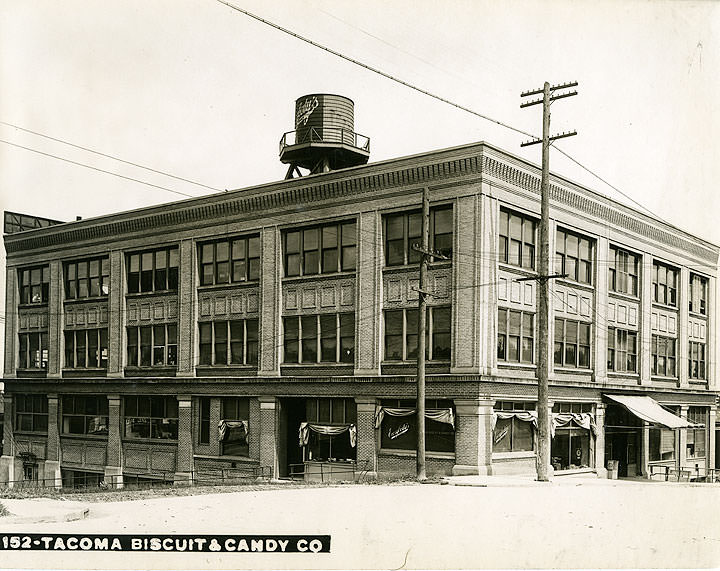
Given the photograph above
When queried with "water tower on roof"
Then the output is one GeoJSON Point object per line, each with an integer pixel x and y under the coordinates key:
{"type": "Point", "coordinates": [324, 138]}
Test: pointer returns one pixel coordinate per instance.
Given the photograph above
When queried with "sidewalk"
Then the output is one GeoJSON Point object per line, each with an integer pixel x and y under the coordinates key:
{"type": "Point", "coordinates": [582, 479]}
{"type": "Point", "coordinates": [42, 510]}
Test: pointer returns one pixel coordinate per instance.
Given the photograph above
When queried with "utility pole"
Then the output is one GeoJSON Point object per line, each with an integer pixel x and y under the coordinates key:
{"type": "Point", "coordinates": [423, 293]}
{"type": "Point", "coordinates": [543, 277]}
{"type": "Point", "coordinates": [422, 319]}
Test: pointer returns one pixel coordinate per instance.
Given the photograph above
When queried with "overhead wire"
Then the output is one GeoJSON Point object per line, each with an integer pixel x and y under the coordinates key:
{"type": "Point", "coordinates": [89, 150]}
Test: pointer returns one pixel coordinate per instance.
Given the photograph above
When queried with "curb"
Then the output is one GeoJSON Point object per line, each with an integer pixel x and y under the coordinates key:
{"type": "Point", "coordinates": [59, 518]}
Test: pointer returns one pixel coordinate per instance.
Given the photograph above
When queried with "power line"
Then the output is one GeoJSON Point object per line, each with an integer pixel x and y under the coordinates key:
{"type": "Point", "coordinates": [375, 70]}
{"type": "Point", "coordinates": [428, 93]}
{"type": "Point", "coordinates": [98, 169]}
{"type": "Point", "coordinates": [109, 156]}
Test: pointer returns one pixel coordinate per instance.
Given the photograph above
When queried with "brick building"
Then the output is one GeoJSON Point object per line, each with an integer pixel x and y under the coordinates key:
{"type": "Point", "coordinates": [274, 329]}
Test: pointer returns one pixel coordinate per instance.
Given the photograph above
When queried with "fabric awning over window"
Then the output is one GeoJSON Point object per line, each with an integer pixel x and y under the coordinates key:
{"type": "Point", "coordinates": [224, 426]}
{"type": "Point", "coordinates": [647, 409]}
{"type": "Point", "coordinates": [445, 415]}
{"type": "Point", "coordinates": [327, 429]}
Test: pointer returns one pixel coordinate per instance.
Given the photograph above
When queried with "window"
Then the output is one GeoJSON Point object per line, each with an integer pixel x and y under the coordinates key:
{"type": "Point", "coordinates": [230, 261]}
{"type": "Point", "coordinates": [516, 334]}
{"type": "Point", "coordinates": [31, 413]}
{"type": "Point", "coordinates": [572, 344]}
{"type": "Point", "coordinates": [698, 294]}
{"type": "Point", "coordinates": [151, 417]}
{"type": "Point", "coordinates": [322, 249]}
{"type": "Point", "coordinates": [152, 345]}
{"type": "Point", "coordinates": [404, 230]}
{"type": "Point", "coordinates": [664, 281]}
{"type": "Point", "coordinates": [623, 271]}
{"type": "Point", "coordinates": [33, 351]}
{"type": "Point", "coordinates": [517, 239]}
{"type": "Point", "coordinates": [86, 349]}
{"type": "Point", "coordinates": [154, 270]}
{"type": "Point", "coordinates": [573, 256]}
{"type": "Point", "coordinates": [85, 415]}
{"type": "Point", "coordinates": [204, 435]}
{"type": "Point", "coordinates": [229, 342]}
{"type": "Point", "coordinates": [330, 412]}
{"type": "Point", "coordinates": [401, 339]}
{"type": "Point", "coordinates": [513, 434]}
{"type": "Point", "coordinates": [400, 432]}
{"type": "Point", "coordinates": [622, 350]}
{"type": "Point", "coordinates": [663, 356]}
{"type": "Point", "coordinates": [696, 360]}
{"type": "Point", "coordinates": [235, 419]}
{"type": "Point", "coordinates": [34, 284]}
{"type": "Point", "coordinates": [572, 407]}
{"type": "Point", "coordinates": [87, 278]}
{"type": "Point", "coordinates": [695, 446]}
{"type": "Point", "coordinates": [327, 338]}
{"type": "Point", "coordinates": [662, 441]}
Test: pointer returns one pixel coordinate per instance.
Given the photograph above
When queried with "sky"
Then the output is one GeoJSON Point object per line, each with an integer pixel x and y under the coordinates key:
{"type": "Point", "coordinates": [198, 90]}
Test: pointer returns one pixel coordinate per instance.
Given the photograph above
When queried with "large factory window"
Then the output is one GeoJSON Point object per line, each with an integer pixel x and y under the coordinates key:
{"type": "Point", "coordinates": [623, 271]}
{"type": "Point", "coordinates": [152, 345]}
{"type": "Point", "coordinates": [327, 338]}
{"type": "Point", "coordinates": [574, 256]}
{"type": "Point", "coordinates": [401, 334]}
{"type": "Point", "coordinates": [85, 415]}
{"type": "Point", "coordinates": [151, 417]}
{"type": "Point", "coordinates": [517, 239]}
{"type": "Point", "coordinates": [622, 350]}
{"type": "Point", "coordinates": [516, 335]}
{"type": "Point", "coordinates": [664, 281]}
{"type": "Point", "coordinates": [33, 350]}
{"type": "Point", "coordinates": [513, 430]}
{"type": "Point", "coordinates": [322, 249]}
{"type": "Point", "coordinates": [234, 426]}
{"type": "Point", "coordinates": [663, 356]}
{"type": "Point", "coordinates": [87, 278]}
{"type": "Point", "coordinates": [404, 230]}
{"type": "Point", "coordinates": [398, 425]}
{"type": "Point", "coordinates": [31, 413]}
{"type": "Point", "coordinates": [34, 284]}
{"type": "Point", "coordinates": [696, 360]}
{"type": "Point", "coordinates": [154, 270]}
{"type": "Point", "coordinates": [697, 299]}
{"type": "Point", "coordinates": [229, 342]}
{"type": "Point", "coordinates": [329, 436]}
{"type": "Point", "coordinates": [86, 349]}
{"type": "Point", "coordinates": [235, 260]}
{"type": "Point", "coordinates": [572, 344]}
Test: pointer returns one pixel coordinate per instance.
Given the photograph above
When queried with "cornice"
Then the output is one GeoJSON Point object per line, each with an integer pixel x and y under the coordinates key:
{"type": "Point", "coordinates": [434, 169]}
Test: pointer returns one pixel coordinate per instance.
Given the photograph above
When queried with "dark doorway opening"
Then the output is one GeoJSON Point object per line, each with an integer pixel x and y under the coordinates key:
{"type": "Point", "coordinates": [623, 438]}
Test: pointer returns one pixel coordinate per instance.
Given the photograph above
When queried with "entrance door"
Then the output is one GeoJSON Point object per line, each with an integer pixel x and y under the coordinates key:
{"type": "Point", "coordinates": [621, 445]}
{"type": "Point", "coordinates": [292, 413]}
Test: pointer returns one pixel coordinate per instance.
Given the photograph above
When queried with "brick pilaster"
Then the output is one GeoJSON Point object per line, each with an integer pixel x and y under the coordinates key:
{"type": "Point", "coordinates": [8, 434]}
{"type": "Point", "coordinates": [55, 322]}
{"type": "Point", "coordinates": [268, 452]}
{"type": "Point", "coordinates": [711, 459]}
{"type": "Point", "coordinates": [473, 437]}
{"type": "Point", "coordinates": [486, 242]}
{"type": "Point", "coordinates": [366, 451]}
{"type": "Point", "coordinates": [683, 327]}
{"type": "Point", "coordinates": [185, 458]}
{"type": "Point", "coordinates": [599, 330]}
{"type": "Point", "coordinates": [466, 268]}
{"type": "Point", "coordinates": [187, 309]}
{"type": "Point", "coordinates": [645, 329]}
{"type": "Point", "coordinates": [270, 288]}
{"type": "Point", "coordinates": [600, 440]}
{"type": "Point", "coordinates": [215, 416]}
{"type": "Point", "coordinates": [11, 322]}
{"type": "Point", "coordinates": [116, 313]}
{"type": "Point", "coordinates": [114, 442]}
{"type": "Point", "coordinates": [682, 439]}
{"type": "Point", "coordinates": [254, 432]}
{"type": "Point", "coordinates": [369, 295]}
{"type": "Point", "coordinates": [53, 434]}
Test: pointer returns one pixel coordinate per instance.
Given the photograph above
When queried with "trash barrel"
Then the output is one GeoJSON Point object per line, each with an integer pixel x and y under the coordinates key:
{"type": "Point", "coordinates": [612, 469]}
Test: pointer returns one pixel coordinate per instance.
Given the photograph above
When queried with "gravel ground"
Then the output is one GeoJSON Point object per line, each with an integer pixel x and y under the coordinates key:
{"type": "Point", "coordinates": [590, 525]}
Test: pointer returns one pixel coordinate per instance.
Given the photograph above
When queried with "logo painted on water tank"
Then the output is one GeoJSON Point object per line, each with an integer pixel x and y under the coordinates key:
{"type": "Point", "coordinates": [304, 110]}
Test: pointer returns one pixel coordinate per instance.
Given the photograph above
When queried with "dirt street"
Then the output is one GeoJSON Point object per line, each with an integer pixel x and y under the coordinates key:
{"type": "Point", "coordinates": [588, 524]}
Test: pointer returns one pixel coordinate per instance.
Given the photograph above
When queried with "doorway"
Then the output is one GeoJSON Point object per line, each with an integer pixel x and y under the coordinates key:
{"type": "Point", "coordinates": [623, 438]}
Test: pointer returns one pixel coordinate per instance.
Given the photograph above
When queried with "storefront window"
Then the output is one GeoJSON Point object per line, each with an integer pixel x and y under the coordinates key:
{"type": "Point", "coordinates": [513, 427]}
{"type": "Point", "coordinates": [695, 446]}
{"type": "Point", "coordinates": [331, 437]}
{"type": "Point", "coordinates": [570, 448]}
{"type": "Point", "coordinates": [399, 432]}
{"type": "Point", "coordinates": [662, 444]}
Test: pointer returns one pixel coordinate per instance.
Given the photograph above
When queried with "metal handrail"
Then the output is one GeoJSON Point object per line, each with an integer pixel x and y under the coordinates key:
{"type": "Point", "coordinates": [325, 135]}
